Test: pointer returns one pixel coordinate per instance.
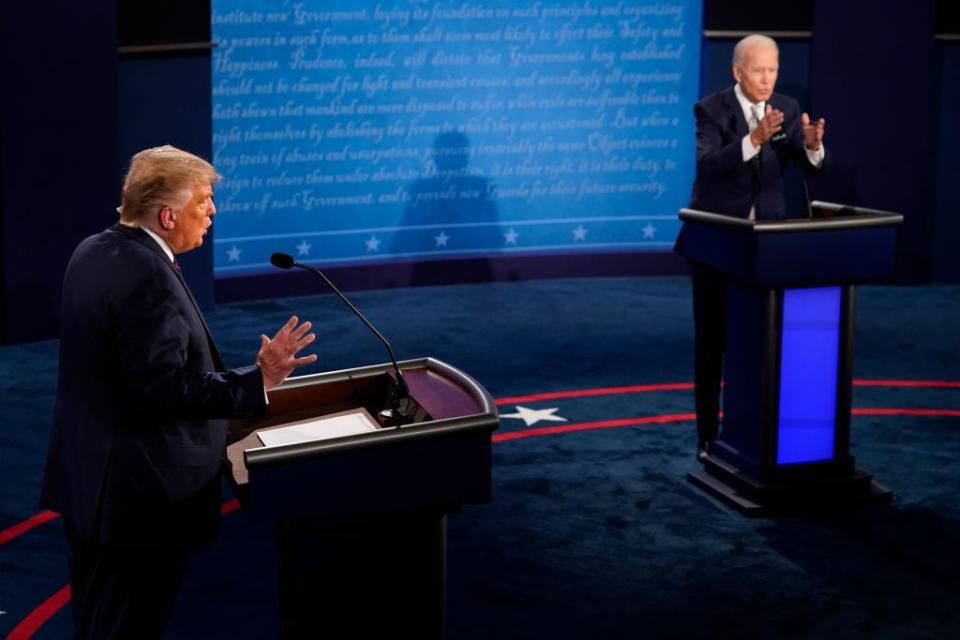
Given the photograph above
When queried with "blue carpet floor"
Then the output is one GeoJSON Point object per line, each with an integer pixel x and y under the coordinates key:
{"type": "Point", "coordinates": [591, 533]}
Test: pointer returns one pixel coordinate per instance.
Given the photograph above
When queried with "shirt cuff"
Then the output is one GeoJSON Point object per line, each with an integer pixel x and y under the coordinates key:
{"type": "Point", "coordinates": [816, 157]}
{"type": "Point", "coordinates": [748, 149]}
{"type": "Point", "coordinates": [266, 398]}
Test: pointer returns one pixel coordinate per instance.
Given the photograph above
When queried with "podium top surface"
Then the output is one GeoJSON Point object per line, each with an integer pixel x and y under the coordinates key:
{"type": "Point", "coordinates": [840, 245]}
{"type": "Point", "coordinates": [439, 459]}
{"type": "Point", "coordinates": [449, 402]}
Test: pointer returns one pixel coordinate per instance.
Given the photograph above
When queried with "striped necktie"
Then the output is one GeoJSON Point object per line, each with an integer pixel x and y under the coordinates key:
{"type": "Point", "coordinates": [756, 114]}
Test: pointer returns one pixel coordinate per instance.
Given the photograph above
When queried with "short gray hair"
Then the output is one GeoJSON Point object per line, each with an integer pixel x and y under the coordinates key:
{"type": "Point", "coordinates": [161, 177]}
{"type": "Point", "coordinates": [753, 41]}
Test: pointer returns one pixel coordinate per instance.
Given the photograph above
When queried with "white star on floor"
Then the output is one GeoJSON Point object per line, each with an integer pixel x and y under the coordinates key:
{"type": "Point", "coordinates": [649, 231]}
{"type": "Point", "coordinates": [441, 239]}
{"type": "Point", "coordinates": [303, 249]}
{"type": "Point", "coordinates": [510, 237]}
{"type": "Point", "coordinates": [579, 233]}
{"type": "Point", "coordinates": [533, 416]}
{"type": "Point", "coordinates": [233, 254]}
{"type": "Point", "coordinates": [373, 244]}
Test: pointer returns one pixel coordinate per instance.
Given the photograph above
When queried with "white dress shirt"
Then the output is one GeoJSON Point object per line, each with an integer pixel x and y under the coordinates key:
{"type": "Point", "coordinates": [163, 244]}
{"type": "Point", "coordinates": [746, 145]}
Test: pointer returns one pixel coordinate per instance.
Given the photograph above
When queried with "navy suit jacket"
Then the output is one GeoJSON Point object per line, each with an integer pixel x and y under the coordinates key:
{"type": "Point", "coordinates": [139, 425]}
{"type": "Point", "coordinates": [725, 183]}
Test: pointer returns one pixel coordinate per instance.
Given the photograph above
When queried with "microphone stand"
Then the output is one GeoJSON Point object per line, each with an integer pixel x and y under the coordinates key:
{"type": "Point", "coordinates": [399, 411]}
{"type": "Point", "coordinates": [806, 195]}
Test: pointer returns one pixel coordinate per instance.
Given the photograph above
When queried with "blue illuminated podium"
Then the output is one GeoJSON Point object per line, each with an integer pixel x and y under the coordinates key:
{"type": "Point", "coordinates": [784, 441]}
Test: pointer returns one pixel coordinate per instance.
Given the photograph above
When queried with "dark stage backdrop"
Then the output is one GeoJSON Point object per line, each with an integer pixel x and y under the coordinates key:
{"type": "Point", "coordinates": [58, 145]}
{"type": "Point", "coordinates": [873, 79]}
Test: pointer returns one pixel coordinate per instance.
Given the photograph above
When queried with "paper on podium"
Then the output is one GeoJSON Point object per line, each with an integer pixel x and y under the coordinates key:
{"type": "Point", "coordinates": [348, 423]}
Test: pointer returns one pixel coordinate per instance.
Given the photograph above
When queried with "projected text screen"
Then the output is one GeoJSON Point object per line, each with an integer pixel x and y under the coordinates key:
{"type": "Point", "coordinates": [350, 132]}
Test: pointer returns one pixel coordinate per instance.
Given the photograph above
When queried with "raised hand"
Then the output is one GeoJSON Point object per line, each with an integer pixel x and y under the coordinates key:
{"type": "Point", "coordinates": [771, 123]}
{"type": "Point", "coordinates": [812, 132]}
{"type": "Point", "coordinates": [277, 357]}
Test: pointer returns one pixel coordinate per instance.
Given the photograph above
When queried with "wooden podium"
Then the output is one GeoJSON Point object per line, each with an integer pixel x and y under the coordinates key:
{"type": "Point", "coordinates": [361, 519]}
{"type": "Point", "coordinates": [788, 367]}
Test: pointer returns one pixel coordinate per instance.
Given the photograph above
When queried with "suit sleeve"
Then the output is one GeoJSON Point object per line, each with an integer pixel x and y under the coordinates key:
{"type": "Point", "coordinates": [161, 365]}
{"type": "Point", "coordinates": [714, 158]}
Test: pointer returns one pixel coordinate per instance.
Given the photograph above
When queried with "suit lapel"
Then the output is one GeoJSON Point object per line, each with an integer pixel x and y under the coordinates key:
{"type": "Point", "coordinates": [738, 121]}
{"type": "Point", "coordinates": [141, 236]}
{"type": "Point", "coordinates": [217, 360]}
{"type": "Point", "coordinates": [773, 102]}
{"type": "Point", "coordinates": [741, 129]}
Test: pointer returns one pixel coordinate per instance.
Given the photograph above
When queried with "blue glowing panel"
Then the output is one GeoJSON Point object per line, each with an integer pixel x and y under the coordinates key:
{"type": "Point", "coordinates": [809, 351]}
{"type": "Point", "coordinates": [359, 131]}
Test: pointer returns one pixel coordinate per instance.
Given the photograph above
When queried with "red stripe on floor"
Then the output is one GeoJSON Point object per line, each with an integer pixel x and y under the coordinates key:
{"type": "Point", "coordinates": [931, 384]}
{"type": "Point", "coordinates": [600, 391]}
{"type": "Point", "coordinates": [39, 616]}
{"type": "Point", "coordinates": [22, 527]}
{"type": "Point", "coordinates": [683, 417]}
{"type": "Point", "coordinates": [685, 386]}
{"type": "Point", "coordinates": [587, 426]}
{"type": "Point", "coordinates": [884, 411]}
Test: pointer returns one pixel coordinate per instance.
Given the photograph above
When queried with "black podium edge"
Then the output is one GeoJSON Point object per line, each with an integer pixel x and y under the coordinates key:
{"type": "Point", "coordinates": [849, 218]}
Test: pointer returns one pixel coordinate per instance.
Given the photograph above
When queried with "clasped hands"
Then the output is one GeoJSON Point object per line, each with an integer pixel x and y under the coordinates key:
{"type": "Point", "coordinates": [772, 122]}
{"type": "Point", "coordinates": [277, 357]}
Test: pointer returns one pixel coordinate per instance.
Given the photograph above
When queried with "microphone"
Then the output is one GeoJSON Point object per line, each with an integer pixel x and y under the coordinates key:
{"type": "Point", "coordinates": [283, 260]}
{"type": "Point", "coordinates": [806, 195]}
{"type": "Point", "coordinates": [398, 413]}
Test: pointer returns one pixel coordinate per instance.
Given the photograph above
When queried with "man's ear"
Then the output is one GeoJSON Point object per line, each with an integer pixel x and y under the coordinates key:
{"type": "Point", "coordinates": [736, 73]}
{"type": "Point", "coordinates": [166, 218]}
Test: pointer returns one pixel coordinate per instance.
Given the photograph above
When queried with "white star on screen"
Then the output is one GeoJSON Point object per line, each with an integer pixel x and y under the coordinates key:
{"type": "Point", "coordinates": [510, 237]}
{"type": "Point", "coordinates": [441, 239]}
{"type": "Point", "coordinates": [649, 231]}
{"type": "Point", "coordinates": [303, 249]}
{"type": "Point", "coordinates": [579, 233]}
{"type": "Point", "coordinates": [532, 416]}
{"type": "Point", "coordinates": [233, 254]}
{"type": "Point", "coordinates": [373, 244]}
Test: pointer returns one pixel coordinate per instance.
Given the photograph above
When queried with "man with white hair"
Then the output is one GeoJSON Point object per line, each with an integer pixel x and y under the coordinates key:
{"type": "Point", "coordinates": [746, 137]}
{"type": "Point", "coordinates": [143, 397]}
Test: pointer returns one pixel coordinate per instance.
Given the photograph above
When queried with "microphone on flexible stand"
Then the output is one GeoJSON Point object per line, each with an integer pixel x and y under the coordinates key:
{"type": "Point", "coordinates": [399, 411]}
{"type": "Point", "coordinates": [806, 195]}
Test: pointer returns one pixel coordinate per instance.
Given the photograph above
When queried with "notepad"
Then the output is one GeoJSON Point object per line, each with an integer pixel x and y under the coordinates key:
{"type": "Point", "coordinates": [325, 428]}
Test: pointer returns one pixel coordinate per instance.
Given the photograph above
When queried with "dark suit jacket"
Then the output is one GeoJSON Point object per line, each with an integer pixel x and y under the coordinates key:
{"type": "Point", "coordinates": [139, 425]}
{"type": "Point", "coordinates": [725, 183]}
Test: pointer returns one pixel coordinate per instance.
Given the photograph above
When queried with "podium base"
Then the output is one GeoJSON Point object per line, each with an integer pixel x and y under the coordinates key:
{"type": "Point", "coordinates": [754, 497]}
{"type": "Point", "coordinates": [363, 577]}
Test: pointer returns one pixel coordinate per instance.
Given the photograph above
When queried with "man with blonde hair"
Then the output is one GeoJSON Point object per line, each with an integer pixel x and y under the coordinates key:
{"type": "Point", "coordinates": [747, 135]}
{"type": "Point", "coordinates": [143, 397]}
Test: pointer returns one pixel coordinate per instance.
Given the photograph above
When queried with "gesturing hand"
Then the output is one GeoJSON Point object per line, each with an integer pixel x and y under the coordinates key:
{"type": "Point", "coordinates": [277, 357]}
{"type": "Point", "coordinates": [771, 123]}
{"type": "Point", "coordinates": [812, 132]}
